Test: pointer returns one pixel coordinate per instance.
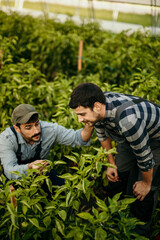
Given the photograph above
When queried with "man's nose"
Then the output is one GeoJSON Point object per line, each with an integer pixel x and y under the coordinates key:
{"type": "Point", "coordinates": [36, 129]}
{"type": "Point", "coordinates": [80, 119]}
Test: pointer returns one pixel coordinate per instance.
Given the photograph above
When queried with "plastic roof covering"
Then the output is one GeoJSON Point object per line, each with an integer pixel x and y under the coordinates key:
{"type": "Point", "coordinates": [143, 2]}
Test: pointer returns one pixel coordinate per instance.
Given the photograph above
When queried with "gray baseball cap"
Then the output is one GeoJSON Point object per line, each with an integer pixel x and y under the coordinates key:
{"type": "Point", "coordinates": [22, 113]}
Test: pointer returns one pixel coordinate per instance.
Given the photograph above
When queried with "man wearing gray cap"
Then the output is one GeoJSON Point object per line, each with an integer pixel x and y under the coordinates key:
{"type": "Point", "coordinates": [29, 140]}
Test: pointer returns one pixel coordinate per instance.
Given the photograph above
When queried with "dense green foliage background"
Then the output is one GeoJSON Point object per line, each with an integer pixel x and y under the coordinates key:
{"type": "Point", "coordinates": [38, 65]}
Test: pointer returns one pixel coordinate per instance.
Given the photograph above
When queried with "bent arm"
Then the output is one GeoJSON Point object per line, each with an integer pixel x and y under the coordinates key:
{"type": "Point", "coordinates": [136, 133]}
{"type": "Point", "coordinates": [147, 177]}
{"type": "Point", "coordinates": [111, 173]}
{"type": "Point", "coordinates": [107, 145]}
{"type": "Point", "coordinates": [86, 132]}
{"type": "Point", "coordinates": [70, 137]}
{"type": "Point", "coordinates": [9, 161]}
{"type": "Point", "coordinates": [142, 188]}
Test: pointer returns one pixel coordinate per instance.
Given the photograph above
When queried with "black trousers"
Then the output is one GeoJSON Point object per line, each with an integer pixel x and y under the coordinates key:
{"type": "Point", "coordinates": [56, 181]}
{"type": "Point", "coordinates": [129, 173]}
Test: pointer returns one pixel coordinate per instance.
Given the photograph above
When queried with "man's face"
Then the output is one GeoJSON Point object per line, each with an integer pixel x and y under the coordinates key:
{"type": "Point", "coordinates": [31, 132]}
{"type": "Point", "coordinates": [87, 115]}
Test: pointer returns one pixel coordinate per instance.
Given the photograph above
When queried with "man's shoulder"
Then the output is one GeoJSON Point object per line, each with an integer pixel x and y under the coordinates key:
{"type": "Point", "coordinates": [99, 124]}
{"type": "Point", "coordinates": [49, 130]}
{"type": "Point", "coordinates": [6, 132]}
{"type": "Point", "coordinates": [48, 126]}
{"type": "Point", "coordinates": [7, 135]}
{"type": "Point", "coordinates": [110, 94]}
{"type": "Point", "coordinates": [45, 124]}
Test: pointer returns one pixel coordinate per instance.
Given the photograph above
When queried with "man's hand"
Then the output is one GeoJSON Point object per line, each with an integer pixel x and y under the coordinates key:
{"type": "Point", "coordinates": [112, 174]}
{"type": "Point", "coordinates": [141, 189]}
{"type": "Point", "coordinates": [86, 132]}
{"type": "Point", "coordinates": [35, 164]}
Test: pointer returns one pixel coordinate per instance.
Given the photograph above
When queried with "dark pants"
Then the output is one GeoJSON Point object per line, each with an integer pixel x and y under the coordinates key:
{"type": "Point", "coordinates": [56, 181]}
{"type": "Point", "coordinates": [129, 173]}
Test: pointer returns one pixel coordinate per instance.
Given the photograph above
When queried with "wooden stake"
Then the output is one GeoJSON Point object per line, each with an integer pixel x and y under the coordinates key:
{"type": "Point", "coordinates": [1, 59]}
{"type": "Point", "coordinates": [80, 55]}
{"type": "Point", "coordinates": [13, 199]}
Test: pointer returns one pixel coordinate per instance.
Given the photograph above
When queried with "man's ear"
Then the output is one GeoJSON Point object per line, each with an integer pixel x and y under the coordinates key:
{"type": "Point", "coordinates": [17, 129]}
{"type": "Point", "coordinates": [97, 107]}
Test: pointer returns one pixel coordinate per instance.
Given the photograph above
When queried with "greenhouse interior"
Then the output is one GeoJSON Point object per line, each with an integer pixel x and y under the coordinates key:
{"type": "Point", "coordinates": [80, 119]}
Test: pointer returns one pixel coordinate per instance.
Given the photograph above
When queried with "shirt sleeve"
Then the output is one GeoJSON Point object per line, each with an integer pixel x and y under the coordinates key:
{"type": "Point", "coordinates": [135, 131]}
{"type": "Point", "coordinates": [101, 133]}
{"type": "Point", "coordinates": [69, 137]}
{"type": "Point", "coordinates": [9, 160]}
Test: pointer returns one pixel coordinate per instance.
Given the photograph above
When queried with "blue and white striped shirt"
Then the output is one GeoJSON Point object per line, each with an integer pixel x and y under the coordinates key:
{"type": "Point", "coordinates": [138, 124]}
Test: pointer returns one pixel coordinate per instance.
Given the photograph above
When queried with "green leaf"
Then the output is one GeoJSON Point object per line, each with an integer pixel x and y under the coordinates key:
{"type": "Point", "coordinates": [70, 177]}
{"type": "Point", "coordinates": [102, 204]}
{"type": "Point", "coordinates": [100, 234]}
{"type": "Point", "coordinates": [55, 235]}
{"type": "Point", "coordinates": [13, 219]}
{"type": "Point", "coordinates": [4, 222]}
{"type": "Point", "coordinates": [51, 206]}
{"type": "Point", "coordinates": [95, 212]}
{"type": "Point", "coordinates": [76, 204]}
{"type": "Point", "coordinates": [39, 207]}
{"type": "Point", "coordinates": [79, 186]}
{"type": "Point", "coordinates": [85, 184]}
{"type": "Point", "coordinates": [24, 209]}
{"type": "Point", "coordinates": [72, 158]}
{"type": "Point", "coordinates": [62, 214]}
{"type": "Point", "coordinates": [116, 197]}
{"type": "Point", "coordinates": [33, 201]}
{"type": "Point", "coordinates": [86, 216]}
{"type": "Point", "coordinates": [35, 222]}
{"type": "Point", "coordinates": [16, 173]}
{"type": "Point", "coordinates": [60, 226]}
{"type": "Point", "coordinates": [59, 191]}
{"type": "Point", "coordinates": [75, 233]}
{"type": "Point", "coordinates": [25, 203]}
{"type": "Point", "coordinates": [40, 178]}
{"type": "Point", "coordinates": [98, 167]}
{"type": "Point", "coordinates": [59, 162]}
{"type": "Point", "coordinates": [7, 190]}
{"type": "Point", "coordinates": [109, 165]}
{"type": "Point", "coordinates": [78, 235]}
{"type": "Point", "coordinates": [114, 231]}
{"type": "Point", "coordinates": [49, 184]}
{"type": "Point", "coordinates": [68, 198]}
{"type": "Point", "coordinates": [11, 209]}
{"type": "Point", "coordinates": [82, 162]}
{"type": "Point", "coordinates": [47, 221]}
{"type": "Point", "coordinates": [104, 216]}
{"type": "Point", "coordinates": [127, 201]}
{"type": "Point", "coordinates": [88, 169]}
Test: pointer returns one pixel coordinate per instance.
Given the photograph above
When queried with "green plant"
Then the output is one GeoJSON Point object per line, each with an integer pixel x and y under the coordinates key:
{"type": "Point", "coordinates": [62, 217]}
{"type": "Point", "coordinates": [30, 47]}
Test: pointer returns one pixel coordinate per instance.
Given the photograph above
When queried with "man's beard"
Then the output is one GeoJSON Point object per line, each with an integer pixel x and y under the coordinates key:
{"type": "Point", "coordinates": [38, 134]}
{"type": "Point", "coordinates": [93, 123]}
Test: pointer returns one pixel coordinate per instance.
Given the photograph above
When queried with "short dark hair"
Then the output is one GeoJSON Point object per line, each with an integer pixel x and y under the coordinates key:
{"type": "Point", "coordinates": [85, 95]}
{"type": "Point", "coordinates": [33, 119]}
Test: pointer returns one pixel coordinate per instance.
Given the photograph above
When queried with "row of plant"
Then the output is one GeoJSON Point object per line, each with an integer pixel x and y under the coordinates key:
{"type": "Point", "coordinates": [32, 53]}
{"type": "Point", "coordinates": [54, 48]}
{"type": "Point", "coordinates": [34, 216]}
{"type": "Point", "coordinates": [22, 81]}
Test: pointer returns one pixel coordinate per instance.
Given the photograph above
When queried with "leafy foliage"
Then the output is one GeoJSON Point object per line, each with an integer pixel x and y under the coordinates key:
{"type": "Point", "coordinates": [54, 48]}
{"type": "Point", "coordinates": [62, 217]}
{"type": "Point", "coordinates": [38, 65]}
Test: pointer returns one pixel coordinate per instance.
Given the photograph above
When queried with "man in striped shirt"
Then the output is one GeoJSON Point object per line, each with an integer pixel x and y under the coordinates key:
{"type": "Point", "coordinates": [136, 130]}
